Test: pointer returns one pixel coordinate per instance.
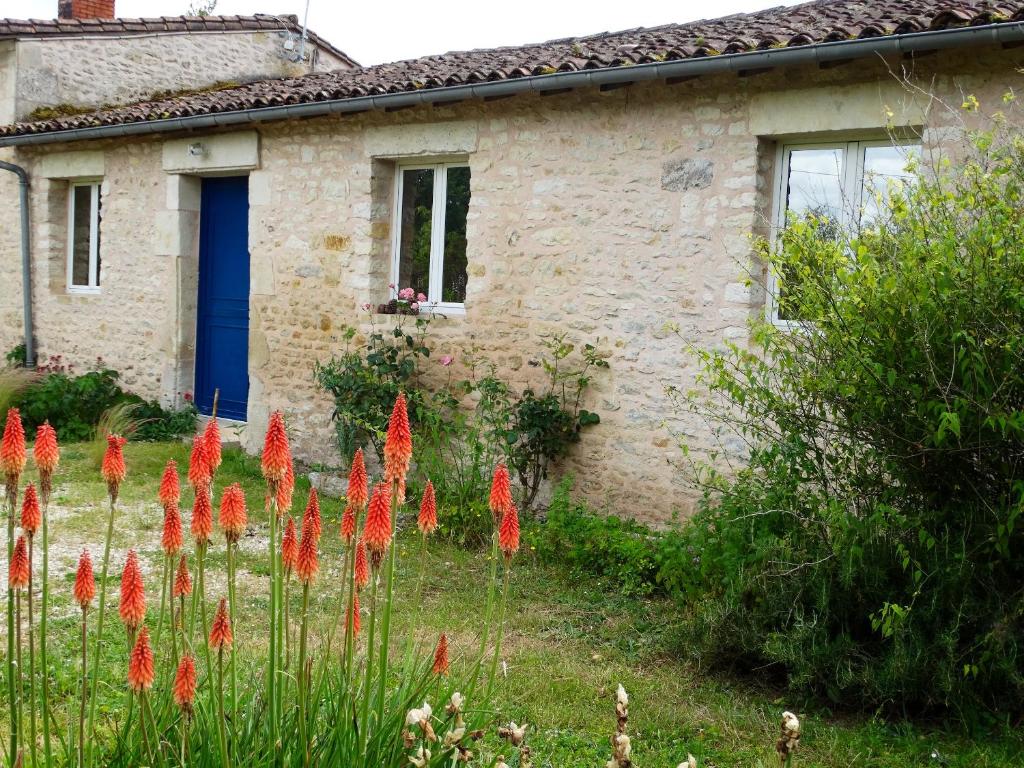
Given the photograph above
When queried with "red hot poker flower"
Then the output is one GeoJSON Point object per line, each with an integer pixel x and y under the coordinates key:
{"type": "Point", "coordinates": [220, 631]}
{"type": "Point", "coordinates": [362, 566]}
{"type": "Point", "coordinates": [202, 515]}
{"type": "Point", "coordinates": [348, 524]}
{"type": "Point", "coordinates": [182, 580]}
{"type": "Point", "coordinates": [501, 493]}
{"type": "Point", "coordinates": [377, 531]}
{"type": "Point", "coordinates": [85, 583]}
{"type": "Point", "coordinates": [233, 518]}
{"type": "Point", "coordinates": [427, 521]}
{"type": "Point", "coordinates": [211, 437]}
{"type": "Point", "coordinates": [398, 447]}
{"type": "Point", "coordinates": [199, 472]}
{"type": "Point", "coordinates": [289, 547]}
{"type": "Point", "coordinates": [286, 488]}
{"type": "Point", "coordinates": [12, 446]}
{"type": "Point", "coordinates": [113, 469]}
{"type": "Point", "coordinates": [170, 487]}
{"type": "Point", "coordinates": [18, 572]}
{"type": "Point", "coordinates": [276, 453]}
{"type": "Point", "coordinates": [441, 656]}
{"type": "Point", "coordinates": [141, 671]}
{"type": "Point", "coordinates": [45, 451]}
{"type": "Point", "coordinates": [172, 538]}
{"type": "Point", "coordinates": [185, 684]}
{"type": "Point", "coordinates": [133, 593]}
{"type": "Point", "coordinates": [358, 492]}
{"type": "Point", "coordinates": [307, 562]}
{"type": "Point", "coordinates": [508, 534]}
{"type": "Point", "coordinates": [31, 517]}
{"type": "Point", "coordinates": [312, 515]}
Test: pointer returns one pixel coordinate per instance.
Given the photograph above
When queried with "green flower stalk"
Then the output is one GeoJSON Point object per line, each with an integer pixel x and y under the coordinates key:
{"type": "Point", "coordinates": [12, 463]}
{"type": "Point", "coordinates": [84, 592]}
{"type": "Point", "coordinates": [221, 638]}
{"type": "Point", "coordinates": [30, 522]}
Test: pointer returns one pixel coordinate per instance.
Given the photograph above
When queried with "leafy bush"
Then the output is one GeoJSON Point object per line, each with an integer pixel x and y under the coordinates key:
{"type": "Point", "coordinates": [75, 405]}
{"type": "Point", "coordinates": [364, 382]}
{"type": "Point", "coordinates": [871, 551]}
{"type": "Point", "coordinates": [638, 559]}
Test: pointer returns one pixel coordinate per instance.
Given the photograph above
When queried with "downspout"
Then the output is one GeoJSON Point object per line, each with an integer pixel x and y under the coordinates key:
{"type": "Point", "coordinates": [26, 261]}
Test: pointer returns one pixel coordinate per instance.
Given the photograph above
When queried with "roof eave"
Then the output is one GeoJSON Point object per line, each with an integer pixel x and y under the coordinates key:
{"type": "Point", "coordinates": [1006, 33]}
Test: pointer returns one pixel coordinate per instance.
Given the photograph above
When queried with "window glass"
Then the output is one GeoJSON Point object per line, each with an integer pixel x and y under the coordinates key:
{"type": "Point", "coordinates": [815, 184]}
{"type": "Point", "coordinates": [885, 168]}
{"type": "Point", "coordinates": [81, 228]}
{"type": "Point", "coordinates": [415, 229]}
{"type": "Point", "coordinates": [454, 276]}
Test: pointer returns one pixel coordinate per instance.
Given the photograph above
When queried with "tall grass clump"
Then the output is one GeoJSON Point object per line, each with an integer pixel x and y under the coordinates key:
{"type": "Point", "coordinates": [869, 551]}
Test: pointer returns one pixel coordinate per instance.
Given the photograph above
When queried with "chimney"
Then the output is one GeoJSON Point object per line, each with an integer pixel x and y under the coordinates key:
{"type": "Point", "coordinates": [85, 9]}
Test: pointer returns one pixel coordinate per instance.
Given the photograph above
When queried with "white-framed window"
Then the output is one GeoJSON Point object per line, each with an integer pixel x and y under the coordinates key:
{"type": "Point", "coordinates": [429, 248]}
{"type": "Point", "coordinates": [839, 182]}
{"type": "Point", "coordinates": [84, 236]}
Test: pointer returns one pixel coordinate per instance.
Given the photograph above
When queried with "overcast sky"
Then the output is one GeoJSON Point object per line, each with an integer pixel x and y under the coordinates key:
{"type": "Point", "coordinates": [373, 32]}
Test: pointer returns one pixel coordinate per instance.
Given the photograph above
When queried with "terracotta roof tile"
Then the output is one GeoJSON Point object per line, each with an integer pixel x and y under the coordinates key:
{"type": "Point", "coordinates": [805, 24]}
{"type": "Point", "coordinates": [10, 28]}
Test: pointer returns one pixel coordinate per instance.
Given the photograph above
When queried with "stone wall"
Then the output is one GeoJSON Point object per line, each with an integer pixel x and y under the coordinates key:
{"type": "Point", "coordinates": [622, 218]}
{"type": "Point", "coordinates": [108, 69]}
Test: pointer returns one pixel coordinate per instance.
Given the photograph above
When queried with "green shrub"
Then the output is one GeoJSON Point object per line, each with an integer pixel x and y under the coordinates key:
{"type": "Point", "coordinates": [872, 551]}
{"type": "Point", "coordinates": [74, 406]}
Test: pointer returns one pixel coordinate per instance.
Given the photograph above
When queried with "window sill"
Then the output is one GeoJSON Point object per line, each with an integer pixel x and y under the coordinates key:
{"type": "Point", "coordinates": [431, 310]}
{"type": "Point", "coordinates": [79, 291]}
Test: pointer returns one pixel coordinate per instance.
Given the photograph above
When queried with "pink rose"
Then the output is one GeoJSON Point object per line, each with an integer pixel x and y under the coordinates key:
{"type": "Point", "coordinates": [366, 306]}
{"type": "Point", "coordinates": [446, 360]}
{"type": "Point", "coordinates": [421, 297]}
{"type": "Point", "coordinates": [414, 306]}
{"type": "Point", "coordinates": [406, 294]}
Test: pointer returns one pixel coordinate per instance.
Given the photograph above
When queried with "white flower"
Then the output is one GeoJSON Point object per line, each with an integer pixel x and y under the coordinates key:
{"type": "Point", "coordinates": [621, 697]}
{"type": "Point", "coordinates": [690, 762]}
{"type": "Point", "coordinates": [421, 758]}
{"type": "Point", "coordinates": [413, 717]}
{"type": "Point", "coordinates": [454, 704]}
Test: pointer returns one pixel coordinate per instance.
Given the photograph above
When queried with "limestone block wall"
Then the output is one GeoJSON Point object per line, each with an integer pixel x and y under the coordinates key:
{"type": "Point", "coordinates": [107, 69]}
{"type": "Point", "coordinates": [621, 218]}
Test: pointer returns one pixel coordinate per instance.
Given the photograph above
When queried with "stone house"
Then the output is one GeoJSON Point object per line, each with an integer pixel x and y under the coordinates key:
{"type": "Point", "coordinates": [605, 185]}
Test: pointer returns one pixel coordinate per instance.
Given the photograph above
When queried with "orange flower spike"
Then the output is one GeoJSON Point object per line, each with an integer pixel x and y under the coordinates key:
{"type": "Point", "coordinates": [362, 566]}
{"type": "Point", "coordinates": [427, 521]}
{"type": "Point", "coordinates": [172, 539]}
{"type": "Point", "coordinates": [31, 517]}
{"type": "Point", "coordinates": [202, 515]}
{"type": "Point", "coordinates": [358, 491]}
{"type": "Point", "coordinates": [211, 437]}
{"type": "Point", "coordinates": [45, 451]}
{"type": "Point", "coordinates": [85, 582]}
{"type": "Point", "coordinates": [508, 534]}
{"type": "Point", "coordinates": [312, 515]}
{"type": "Point", "coordinates": [199, 474]}
{"type": "Point", "coordinates": [220, 631]}
{"type": "Point", "coordinates": [276, 454]}
{"type": "Point", "coordinates": [18, 571]}
{"type": "Point", "coordinates": [307, 562]}
{"type": "Point", "coordinates": [12, 447]}
{"type": "Point", "coordinates": [141, 670]}
{"type": "Point", "coordinates": [182, 580]}
{"type": "Point", "coordinates": [398, 446]}
{"type": "Point", "coordinates": [289, 547]}
{"type": "Point", "coordinates": [285, 489]}
{"type": "Point", "coordinates": [441, 656]}
{"type": "Point", "coordinates": [113, 468]}
{"type": "Point", "coordinates": [133, 593]}
{"type": "Point", "coordinates": [184, 689]}
{"type": "Point", "coordinates": [170, 486]}
{"type": "Point", "coordinates": [348, 524]}
{"type": "Point", "coordinates": [233, 517]}
{"type": "Point", "coordinates": [353, 614]}
{"type": "Point", "coordinates": [377, 531]}
{"type": "Point", "coordinates": [501, 493]}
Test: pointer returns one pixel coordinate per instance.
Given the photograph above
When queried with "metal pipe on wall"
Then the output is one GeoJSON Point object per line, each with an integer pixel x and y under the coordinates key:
{"type": "Point", "coordinates": [26, 261]}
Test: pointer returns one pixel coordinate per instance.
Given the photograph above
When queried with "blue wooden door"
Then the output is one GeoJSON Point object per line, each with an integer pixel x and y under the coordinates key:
{"type": "Point", "coordinates": [222, 332]}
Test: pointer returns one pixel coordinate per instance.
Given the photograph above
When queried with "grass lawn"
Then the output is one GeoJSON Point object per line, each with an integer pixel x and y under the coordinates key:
{"type": "Point", "coordinates": [569, 640]}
